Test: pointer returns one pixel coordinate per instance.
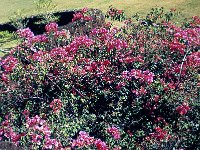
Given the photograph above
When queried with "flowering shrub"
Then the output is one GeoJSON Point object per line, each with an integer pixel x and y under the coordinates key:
{"type": "Point", "coordinates": [134, 87]}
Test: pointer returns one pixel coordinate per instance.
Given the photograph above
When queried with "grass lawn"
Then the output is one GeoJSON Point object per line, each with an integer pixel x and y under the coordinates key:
{"type": "Point", "coordinates": [187, 7]}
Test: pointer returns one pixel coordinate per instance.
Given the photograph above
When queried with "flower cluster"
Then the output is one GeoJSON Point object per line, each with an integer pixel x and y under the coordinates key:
{"type": "Point", "coordinates": [6, 130]}
{"type": "Point", "coordinates": [84, 140]}
{"type": "Point", "coordinates": [160, 134]}
{"type": "Point", "coordinates": [114, 132]}
{"type": "Point", "coordinates": [56, 105]}
{"type": "Point", "coordinates": [8, 65]}
{"type": "Point", "coordinates": [143, 76]}
{"type": "Point", "coordinates": [100, 145]}
{"type": "Point", "coordinates": [78, 42]}
{"type": "Point", "coordinates": [193, 60]}
{"type": "Point", "coordinates": [51, 27]}
{"type": "Point", "coordinates": [82, 15]}
{"type": "Point", "coordinates": [77, 16]}
{"type": "Point", "coordinates": [61, 33]}
{"type": "Point", "coordinates": [38, 56]}
{"type": "Point", "coordinates": [25, 33]}
{"type": "Point", "coordinates": [39, 39]}
{"type": "Point", "coordinates": [39, 131]}
{"type": "Point", "coordinates": [183, 109]}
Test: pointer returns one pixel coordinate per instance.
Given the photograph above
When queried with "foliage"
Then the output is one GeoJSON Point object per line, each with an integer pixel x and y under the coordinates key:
{"type": "Point", "coordinates": [157, 16]}
{"type": "Point", "coordinates": [46, 6]}
{"type": "Point", "coordinates": [5, 36]}
{"type": "Point", "coordinates": [134, 87]}
{"type": "Point", "coordinates": [17, 19]}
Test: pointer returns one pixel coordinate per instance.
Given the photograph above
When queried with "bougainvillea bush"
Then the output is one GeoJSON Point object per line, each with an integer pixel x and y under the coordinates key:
{"type": "Point", "coordinates": [134, 87]}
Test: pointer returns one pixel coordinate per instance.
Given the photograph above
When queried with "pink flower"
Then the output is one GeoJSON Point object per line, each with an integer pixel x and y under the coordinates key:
{"type": "Point", "coordinates": [8, 132]}
{"type": "Point", "coordinates": [160, 134]}
{"type": "Point", "coordinates": [61, 33]}
{"type": "Point", "coordinates": [120, 84]}
{"type": "Point", "coordinates": [4, 77]}
{"type": "Point", "coordinates": [39, 56]}
{"type": "Point", "coordinates": [9, 63]}
{"type": "Point", "coordinates": [83, 140]}
{"type": "Point", "coordinates": [101, 145]}
{"type": "Point", "coordinates": [52, 144]}
{"type": "Point", "coordinates": [56, 105]}
{"type": "Point", "coordinates": [124, 74]}
{"type": "Point", "coordinates": [25, 33]}
{"type": "Point", "coordinates": [148, 76]}
{"type": "Point", "coordinates": [193, 59]}
{"type": "Point", "coordinates": [36, 138]}
{"type": "Point", "coordinates": [39, 39]}
{"type": "Point", "coordinates": [156, 98]}
{"type": "Point", "coordinates": [183, 109]}
{"type": "Point", "coordinates": [77, 16]}
{"type": "Point", "coordinates": [84, 10]}
{"type": "Point", "coordinates": [117, 148]}
{"type": "Point", "coordinates": [48, 143]}
{"type": "Point", "coordinates": [114, 132]}
{"type": "Point", "coordinates": [26, 112]}
{"type": "Point", "coordinates": [142, 91]}
{"type": "Point", "coordinates": [51, 27]}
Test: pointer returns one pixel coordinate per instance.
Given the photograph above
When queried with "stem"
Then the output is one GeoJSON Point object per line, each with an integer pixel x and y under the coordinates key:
{"type": "Point", "coordinates": [181, 68]}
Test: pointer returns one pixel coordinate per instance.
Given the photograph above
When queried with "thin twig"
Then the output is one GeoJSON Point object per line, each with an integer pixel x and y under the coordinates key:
{"type": "Point", "coordinates": [181, 68]}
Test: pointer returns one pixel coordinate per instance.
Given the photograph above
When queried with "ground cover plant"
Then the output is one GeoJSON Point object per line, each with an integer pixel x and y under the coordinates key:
{"type": "Point", "coordinates": [134, 87]}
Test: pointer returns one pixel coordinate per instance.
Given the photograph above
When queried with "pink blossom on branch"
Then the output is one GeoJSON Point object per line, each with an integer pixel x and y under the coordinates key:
{"type": "Point", "coordinates": [25, 33]}
{"type": "Point", "coordinates": [100, 145]}
{"type": "Point", "coordinates": [183, 109]}
{"type": "Point", "coordinates": [56, 105]}
{"type": "Point", "coordinates": [83, 140]}
{"type": "Point", "coordinates": [114, 132]}
{"type": "Point", "coordinates": [51, 27]}
{"type": "Point", "coordinates": [160, 134]}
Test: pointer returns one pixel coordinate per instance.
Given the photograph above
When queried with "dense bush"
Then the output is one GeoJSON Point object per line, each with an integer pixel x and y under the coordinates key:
{"type": "Point", "coordinates": [134, 87]}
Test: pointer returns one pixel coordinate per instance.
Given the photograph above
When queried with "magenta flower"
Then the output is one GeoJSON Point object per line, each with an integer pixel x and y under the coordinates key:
{"type": "Point", "coordinates": [39, 39]}
{"type": "Point", "coordinates": [183, 109]}
{"type": "Point", "coordinates": [9, 63]}
{"type": "Point", "coordinates": [114, 132]}
{"type": "Point", "coordinates": [56, 105]}
{"type": "Point", "coordinates": [83, 140]}
{"type": "Point", "coordinates": [25, 33]}
{"type": "Point", "coordinates": [36, 138]}
{"type": "Point", "coordinates": [51, 27]}
{"type": "Point", "coordinates": [100, 145]}
{"type": "Point", "coordinates": [160, 134]}
{"type": "Point", "coordinates": [77, 16]}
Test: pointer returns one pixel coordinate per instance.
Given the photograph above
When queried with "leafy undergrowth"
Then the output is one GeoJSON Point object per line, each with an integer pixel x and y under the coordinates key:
{"type": "Point", "coordinates": [134, 87]}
